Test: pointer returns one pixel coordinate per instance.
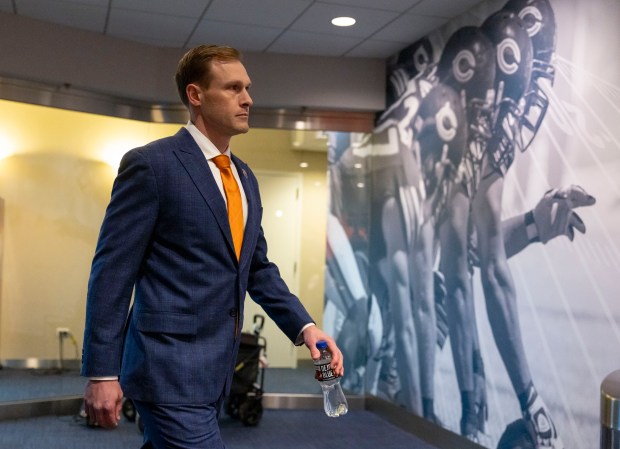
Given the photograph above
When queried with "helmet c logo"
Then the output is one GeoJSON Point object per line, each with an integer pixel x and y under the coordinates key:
{"type": "Point", "coordinates": [446, 122]}
{"type": "Point", "coordinates": [532, 19]}
{"type": "Point", "coordinates": [463, 66]}
{"type": "Point", "coordinates": [421, 59]}
{"type": "Point", "coordinates": [508, 56]}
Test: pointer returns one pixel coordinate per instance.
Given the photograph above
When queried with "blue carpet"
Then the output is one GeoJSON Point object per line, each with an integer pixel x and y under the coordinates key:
{"type": "Point", "coordinates": [285, 429]}
{"type": "Point", "coordinates": [25, 384]}
{"type": "Point", "coordinates": [278, 429]}
{"type": "Point", "coordinates": [297, 429]}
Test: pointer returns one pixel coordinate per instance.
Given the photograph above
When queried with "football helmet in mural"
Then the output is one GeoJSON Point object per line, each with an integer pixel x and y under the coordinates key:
{"type": "Point", "coordinates": [416, 58]}
{"type": "Point", "coordinates": [407, 65]}
{"type": "Point", "coordinates": [441, 134]}
{"type": "Point", "coordinates": [467, 64]}
{"type": "Point", "coordinates": [410, 75]}
{"type": "Point", "coordinates": [513, 50]}
{"type": "Point", "coordinates": [538, 19]}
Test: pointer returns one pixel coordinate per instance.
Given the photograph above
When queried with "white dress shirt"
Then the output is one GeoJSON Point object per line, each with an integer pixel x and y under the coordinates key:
{"type": "Point", "coordinates": [210, 151]}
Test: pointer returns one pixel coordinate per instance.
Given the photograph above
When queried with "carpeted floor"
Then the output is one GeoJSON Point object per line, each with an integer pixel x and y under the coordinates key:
{"type": "Point", "coordinates": [278, 429]}
{"type": "Point", "coordinates": [286, 429]}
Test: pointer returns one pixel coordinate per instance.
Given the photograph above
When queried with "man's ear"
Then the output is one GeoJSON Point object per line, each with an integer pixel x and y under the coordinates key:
{"type": "Point", "coordinates": [194, 94]}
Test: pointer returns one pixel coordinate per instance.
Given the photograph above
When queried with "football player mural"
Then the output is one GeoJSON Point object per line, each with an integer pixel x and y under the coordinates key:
{"type": "Point", "coordinates": [432, 180]}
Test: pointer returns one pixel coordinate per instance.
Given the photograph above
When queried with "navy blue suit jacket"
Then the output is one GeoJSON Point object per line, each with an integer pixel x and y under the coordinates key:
{"type": "Point", "coordinates": [165, 237]}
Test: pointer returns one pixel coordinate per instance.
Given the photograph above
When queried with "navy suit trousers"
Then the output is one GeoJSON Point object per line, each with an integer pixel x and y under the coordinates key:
{"type": "Point", "coordinates": [180, 426]}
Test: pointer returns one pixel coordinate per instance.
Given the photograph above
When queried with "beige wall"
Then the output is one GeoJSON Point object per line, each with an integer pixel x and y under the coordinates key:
{"type": "Point", "coordinates": [56, 183]}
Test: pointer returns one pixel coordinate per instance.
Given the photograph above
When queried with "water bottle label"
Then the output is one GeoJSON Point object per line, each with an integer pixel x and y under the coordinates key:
{"type": "Point", "coordinates": [324, 372]}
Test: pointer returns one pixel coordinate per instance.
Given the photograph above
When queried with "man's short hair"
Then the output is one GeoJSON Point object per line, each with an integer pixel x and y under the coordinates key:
{"type": "Point", "coordinates": [195, 66]}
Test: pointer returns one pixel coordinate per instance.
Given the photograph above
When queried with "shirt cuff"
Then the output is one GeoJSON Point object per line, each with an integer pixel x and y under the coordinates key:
{"type": "Point", "coordinates": [300, 337]}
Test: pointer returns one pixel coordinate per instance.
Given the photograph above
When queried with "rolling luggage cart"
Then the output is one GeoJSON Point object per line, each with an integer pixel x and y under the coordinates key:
{"type": "Point", "coordinates": [246, 392]}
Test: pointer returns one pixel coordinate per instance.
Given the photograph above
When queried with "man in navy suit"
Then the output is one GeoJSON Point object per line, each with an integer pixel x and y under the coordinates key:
{"type": "Point", "coordinates": [166, 239]}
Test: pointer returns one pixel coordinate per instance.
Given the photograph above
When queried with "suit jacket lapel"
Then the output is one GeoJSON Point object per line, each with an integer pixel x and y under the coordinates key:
{"type": "Point", "coordinates": [196, 165]}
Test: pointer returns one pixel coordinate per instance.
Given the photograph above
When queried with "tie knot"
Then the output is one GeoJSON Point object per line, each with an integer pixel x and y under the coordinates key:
{"type": "Point", "coordinates": [222, 161]}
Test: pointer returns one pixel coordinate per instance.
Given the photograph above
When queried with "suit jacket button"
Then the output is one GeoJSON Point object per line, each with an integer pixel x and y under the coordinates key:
{"type": "Point", "coordinates": [233, 312]}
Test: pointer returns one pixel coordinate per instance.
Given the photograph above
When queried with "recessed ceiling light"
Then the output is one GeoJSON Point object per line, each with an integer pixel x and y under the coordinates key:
{"type": "Point", "coordinates": [343, 21]}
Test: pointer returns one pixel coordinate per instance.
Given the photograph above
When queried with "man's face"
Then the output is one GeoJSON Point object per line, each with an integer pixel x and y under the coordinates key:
{"type": "Point", "coordinates": [225, 104]}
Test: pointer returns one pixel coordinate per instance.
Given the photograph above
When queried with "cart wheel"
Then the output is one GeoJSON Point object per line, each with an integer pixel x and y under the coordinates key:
{"type": "Point", "coordinates": [251, 412]}
{"type": "Point", "coordinates": [129, 410]}
{"type": "Point", "coordinates": [232, 406]}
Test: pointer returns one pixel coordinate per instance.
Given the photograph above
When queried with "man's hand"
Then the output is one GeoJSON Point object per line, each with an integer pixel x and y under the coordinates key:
{"type": "Point", "coordinates": [312, 334]}
{"type": "Point", "coordinates": [103, 402]}
{"type": "Point", "coordinates": [554, 214]}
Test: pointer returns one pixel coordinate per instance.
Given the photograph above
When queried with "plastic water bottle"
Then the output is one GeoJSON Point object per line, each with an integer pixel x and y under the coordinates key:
{"type": "Point", "coordinates": [334, 401]}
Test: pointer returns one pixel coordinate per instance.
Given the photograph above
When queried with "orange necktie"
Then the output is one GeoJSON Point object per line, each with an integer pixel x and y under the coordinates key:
{"type": "Point", "coordinates": [233, 198]}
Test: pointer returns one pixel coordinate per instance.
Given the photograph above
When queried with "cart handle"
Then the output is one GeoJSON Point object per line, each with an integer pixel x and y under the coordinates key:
{"type": "Point", "coordinates": [259, 321]}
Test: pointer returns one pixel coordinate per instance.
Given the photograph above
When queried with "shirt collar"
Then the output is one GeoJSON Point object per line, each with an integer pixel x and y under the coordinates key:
{"type": "Point", "coordinates": [203, 142]}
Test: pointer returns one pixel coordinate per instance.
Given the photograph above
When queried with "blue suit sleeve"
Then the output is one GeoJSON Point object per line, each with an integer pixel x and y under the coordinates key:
{"type": "Point", "coordinates": [268, 289]}
{"type": "Point", "coordinates": [125, 233]}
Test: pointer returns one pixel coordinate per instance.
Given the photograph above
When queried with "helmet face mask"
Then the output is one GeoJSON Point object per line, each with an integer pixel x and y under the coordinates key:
{"type": "Point", "coordinates": [513, 49]}
{"type": "Point", "coordinates": [507, 137]}
{"type": "Point", "coordinates": [480, 118]}
{"type": "Point", "coordinates": [535, 109]}
{"type": "Point", "coordinates": [538, 19]}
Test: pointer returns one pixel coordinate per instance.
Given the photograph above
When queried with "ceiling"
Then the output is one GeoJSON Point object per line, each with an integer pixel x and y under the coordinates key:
{"type": "Point", "coordinates": [273, 26]}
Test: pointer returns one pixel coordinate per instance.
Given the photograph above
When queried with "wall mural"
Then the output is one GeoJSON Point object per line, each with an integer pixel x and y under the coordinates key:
{"type": "Point", "coordinates": [458, 283]}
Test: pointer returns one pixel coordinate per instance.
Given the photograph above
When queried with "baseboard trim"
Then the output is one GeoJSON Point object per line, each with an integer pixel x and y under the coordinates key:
{"type": "Point", "coordinates": [34, 363]}
{"type": "Point", "coordinates": [66, 405]}
{"type": "Point", "coordinates": [277, 401]}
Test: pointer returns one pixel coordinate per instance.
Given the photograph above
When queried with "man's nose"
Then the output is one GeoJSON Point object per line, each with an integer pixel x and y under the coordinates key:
{"type": "Point", "coordinates": [247, 99]}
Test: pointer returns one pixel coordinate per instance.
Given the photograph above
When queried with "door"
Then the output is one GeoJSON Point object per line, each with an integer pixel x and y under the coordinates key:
{"type": "Point", "coordinates": [280, 194]}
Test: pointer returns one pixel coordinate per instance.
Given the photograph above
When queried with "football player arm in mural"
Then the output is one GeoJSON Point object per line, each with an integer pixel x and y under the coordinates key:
{"type": "Point", "coordinates": [553, 216]}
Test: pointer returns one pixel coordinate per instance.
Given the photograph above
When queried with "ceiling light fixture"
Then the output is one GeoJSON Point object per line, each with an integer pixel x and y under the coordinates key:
{"type": "Point", "coordinates": [343, 21]}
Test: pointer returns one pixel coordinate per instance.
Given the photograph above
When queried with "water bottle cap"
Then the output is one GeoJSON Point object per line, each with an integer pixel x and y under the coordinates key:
{"type": "Point", "coordinates": [321, 344]}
